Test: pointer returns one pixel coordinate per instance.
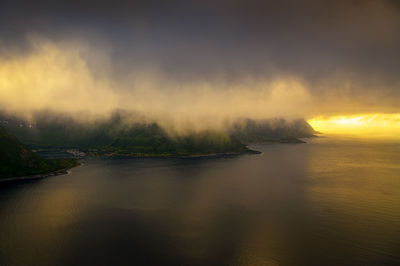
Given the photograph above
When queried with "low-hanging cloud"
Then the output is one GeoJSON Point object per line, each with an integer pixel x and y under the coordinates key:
{"type": "Point", "coordinates": [200, 64]}
{"type": "Point", "coordinates": [56, 77]}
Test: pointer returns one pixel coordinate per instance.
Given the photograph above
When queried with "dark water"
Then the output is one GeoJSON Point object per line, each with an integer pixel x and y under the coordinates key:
{"type": "Point", "coordinates": [54, 154]}
{"type": "Point", "coordinates": [328, 202]}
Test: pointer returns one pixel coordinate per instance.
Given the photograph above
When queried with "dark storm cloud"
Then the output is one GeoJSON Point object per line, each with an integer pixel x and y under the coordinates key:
{"type": "Point", "coordinates": [337, 48]}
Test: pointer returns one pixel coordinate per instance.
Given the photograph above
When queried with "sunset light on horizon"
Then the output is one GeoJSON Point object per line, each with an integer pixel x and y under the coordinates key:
{"type": "Point", "coordinates": [362, 125]}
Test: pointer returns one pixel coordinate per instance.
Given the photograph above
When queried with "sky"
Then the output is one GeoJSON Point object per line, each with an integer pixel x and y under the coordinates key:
{"type": "Point", "coordinates": [194, 62]}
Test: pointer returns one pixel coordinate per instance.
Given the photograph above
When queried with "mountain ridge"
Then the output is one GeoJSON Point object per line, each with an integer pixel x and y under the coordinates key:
{"type": "Point", "coordinates": [115, 136]}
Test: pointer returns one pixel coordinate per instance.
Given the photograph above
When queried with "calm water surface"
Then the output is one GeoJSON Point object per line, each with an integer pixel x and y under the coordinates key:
{"type": "Point", "coordinates": [328, 202]}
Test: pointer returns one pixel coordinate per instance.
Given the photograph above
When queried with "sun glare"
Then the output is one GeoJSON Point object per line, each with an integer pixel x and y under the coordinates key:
{"type": "Point", "coordinates": [363, 125]}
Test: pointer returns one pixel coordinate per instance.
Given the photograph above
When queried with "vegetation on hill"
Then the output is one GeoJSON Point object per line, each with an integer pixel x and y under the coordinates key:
{"type": "Point", "coordinates": [114, 136]}
{"type": "Point", "coordinates": [17, 160]}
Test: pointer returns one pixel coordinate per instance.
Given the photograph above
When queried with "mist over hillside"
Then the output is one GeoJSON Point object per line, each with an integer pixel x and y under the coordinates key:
{"type": "Point", "coordinates": [122, 134]}
{"type": "Point", "coordinates": [271, 130]}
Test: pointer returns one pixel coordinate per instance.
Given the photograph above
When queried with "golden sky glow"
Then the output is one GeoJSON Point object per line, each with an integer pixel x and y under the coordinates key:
{"type": "Point", "coordinates": [58, 76]}
{"type": "Point", "coordinates": [196, 66]}
{"type": "Point", "coordinates": [362, 125]}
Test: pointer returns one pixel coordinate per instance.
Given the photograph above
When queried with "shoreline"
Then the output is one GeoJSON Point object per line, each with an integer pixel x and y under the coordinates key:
{"type": "Point", "coordinates": [206, 155]}
{"type": "Point", "coordinates": [63, 171]}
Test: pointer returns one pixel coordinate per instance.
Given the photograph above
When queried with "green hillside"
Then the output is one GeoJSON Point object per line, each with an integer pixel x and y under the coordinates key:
{"type": "Point", "coordinates": [115, 136]}
{"type": "Point", "coordinates": [17, 160]}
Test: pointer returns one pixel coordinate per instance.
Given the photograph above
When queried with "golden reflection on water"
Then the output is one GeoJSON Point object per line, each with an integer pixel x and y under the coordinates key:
{"type": "Point", "coordinates": [331, 200]}
{"type": "Point", "coordinates": [355, 188]}
{"type": "Point", "coordinates": [45, 218]}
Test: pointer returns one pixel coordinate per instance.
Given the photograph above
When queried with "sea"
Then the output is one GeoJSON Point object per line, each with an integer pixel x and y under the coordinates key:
{"type": "Point", "coordinates": [331, 201]}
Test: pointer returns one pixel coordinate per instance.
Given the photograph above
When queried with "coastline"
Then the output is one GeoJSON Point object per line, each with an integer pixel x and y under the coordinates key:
{"type": "Point", "coordinates": [63, 171]}
{"type": "Point", "coordinates": [204, 155]}
{"type": "Point", "coordinates": [217, 155]}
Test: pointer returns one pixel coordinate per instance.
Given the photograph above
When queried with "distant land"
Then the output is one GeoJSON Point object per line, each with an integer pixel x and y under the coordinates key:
{"type": "Point", "coordinates": [17, 160]}
{"type": "Point", "coordinates": [115, 137]}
